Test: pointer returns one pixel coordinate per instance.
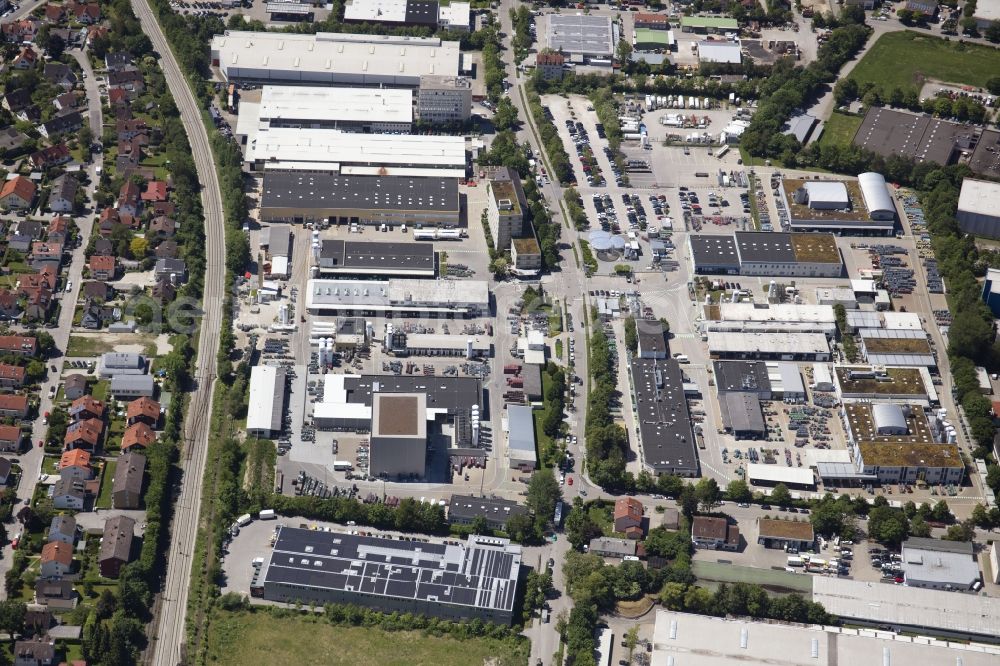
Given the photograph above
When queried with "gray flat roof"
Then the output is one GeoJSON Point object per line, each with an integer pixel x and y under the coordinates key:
{"type": "Point", "coordinates": [449, 393]}
{"type": "Point", "coordinates": [521, 429]}
{"type": "Point", "coordinates": [651, 336]}
{"type": "Point", "coordinates": [664, 420]}
{"type": "Point", "coordinates": [578, 33]}
{"type": "Point", "coordinates": [741, 412]}
{"type": "Point", "coordinates": [344, 254]}
{"type": "Point", "coordinates": [741, 376]}
{"type": "Point", "coordinates": [331, 191]}
{"type": "Point", "coordinates": [279, 240]}
{"type": "Point", "coordinates": [481, 573]}
{"type": "Point", "coordinates": [469, 506]}
{"type": "Point", "coordinates": [889, 132]}
{"type": "Point", "coordinates": [714, 250]}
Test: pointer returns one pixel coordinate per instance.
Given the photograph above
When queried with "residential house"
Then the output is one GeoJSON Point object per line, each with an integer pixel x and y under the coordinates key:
{"type": "Point", "coordinates": [96, 316]}
{"type": "Point", "coordinates": [103, 267]}
{"type": "Point", "coordinates": [37, 619]}
{"type": "Point", "coordinates": [11, 141]}
{"type": "Point", "coordinates": [167, 208]}
{"type": "Point", "coordinates": [131, 128]}
{"type": "Point", "coordinates": [12, 376]}
{"type": "Point", "coordinates": [9, 307]}
{"type": "Point", "coordinates": [63, 528]}
{"type": "Point", "coordinates": [174, 270]}
{"type": "Point", "coordinates": [156, 190]}
{"type": "Point", "coordinates": [43, 253]}
{"type": "Point", "coordinates": [129, 79]}
{"type": "Point", "coordinates": [37, 651]}
{"type": "Point", "coordinates": [161, 228]}
{"type": "Point", "coordinates": [129, 199]}
{"type": "Point", "coordinates": [11, 438]}
{"type": "Point", "coordinates": [57, 560]}
{"type": "Point", "coordinates": [127, 387]}
{"type": "Point", "coordinates": [59, 74]}
{"type": "Point", "coordinates": [120, 363]}
{"type": "Point", "coordinates": [24, 30]}
{"type": "Point", "coordinates": [612, 547]}
{"type": "Point", "coordinates": [62, 198]}
{"type": "Point", "coordinates": [119, 61]}
{"type": "Point", "coordinates": [137, 435]}
{"type": "Point", "coordinates": [163, 292]}
{"type": "Point", "coordinates": [116, 545]}
{"type": "Point", "coordinates": [100, 292]}
{"type": "Point", "coordinates": [53, 13]}
{"type": "Point", "coordinates": [550, 65]}
{"type": "Point", "coordinates": [5, 468]}
{"type": "Point", "coordinates": [58, 230]}
{"type": "Point", "coordinates": [132, 148]}
{"type": "Point", "coordinates": [118, 99]}
{"type": "Point", "coordinates": [69, 494]}
{"type": "Point", "coordinates": [67, 122]}
{"type": "Point", "coordinates": [87, 407]}
{"type": "Point", "coordinates": [103, 247]}
{"type": "Point", "coordinates": [25, 59]}
{"type": "Point", "coordinates": [166, 250]}
{"type": "Point", "coordinates": [18, 345]}
{"type": "Point", "coordinates": [126, 492]}
{"type": "Point", "coordinates": [66, 101]}
{"type": "Point", "coordinates": [30, 228]}
{"type": "Point", "coordinates": [16, 100]}
{"type": "Point", "coordinates": [37, 304]}
{"type": "Point", "coordinates": [716, 533]}
{"type": "Point", "coordinates": [87, 13]}
{"type": "Point", "coordinates": [75, 386]}
{"type": "Point", "coordinates": [628, 517]}
{"type": "Point", "coordinates": [75, 465]}
{"type": "Point", "coordinates": [17, 241]}
{"type": "Point", "coordinates": [785, 534]}
{"type": "Point", "coordinates": [95, 32]}
{"type": "Point", "coordinates": [144, 410]}
{"type": "Point", "coordinates": [51, 156]}
{"type": "Point", "coordinates": [15, 406]}
{"type": "Point", "coordinates": [18, 193]}
{"type": "Point", "coordinates": [83, 435]}
{"type": "Point", "coordinates": [56, 594]}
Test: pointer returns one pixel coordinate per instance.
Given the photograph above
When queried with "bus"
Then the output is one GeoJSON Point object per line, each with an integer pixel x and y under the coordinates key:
{"type": "Point", "coordinates": [557, 519]}
{"type": "Point", "coordinates": [721, 152]}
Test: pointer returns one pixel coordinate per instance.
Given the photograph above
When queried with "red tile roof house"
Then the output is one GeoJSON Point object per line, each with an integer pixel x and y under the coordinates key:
{"type": "Point", "coordinates": [137, 435]}
{"type": "Point", "coordinates": [26, 59]}
{"type": "Point", "coordinates": [10, 438]}
{"type": "Point", "coordinates": [19, 345]}
{"type": "Point", "coordinates": [17, 193]}
{"type": "Point", "coordinates": [58, 230]}
{"type": "Point", "coordinates": [9, 307]}
{"type": "Point", "coordinates": [53, 13]}
{"type": "Point", "coordinates": [51, 156]}
{"type": "Point", "coordinates": [75, 464]}
{"type": "Point", "coordinates": [156, 190]}
{"type": "Point", "coordinates": [46, 277]}
{"type": "Point", "coordinates": [83, 435]}
{"type": "Point", "coordinates": [12, 376]}
{"type": "Point", "coordinates": [86, 13]}
{"type": "Point", "coordinates": [14, 405]}
{"type": "Point", "coordinates": [130, 199]}
{"type": "Point", "coordinates": [628, 517]}
{"type": "Point", "coordinates": [86, 407]}
{"type": "Point", "coordinates": [102, 267]}
{"type": "Point", "coordinates": [57, 560]}
{"type": "Point", "coordinates": [145, 410]}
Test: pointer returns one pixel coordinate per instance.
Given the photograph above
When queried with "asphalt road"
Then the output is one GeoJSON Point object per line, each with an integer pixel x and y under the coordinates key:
{"type": "Point", "coordinates": [170, 633]}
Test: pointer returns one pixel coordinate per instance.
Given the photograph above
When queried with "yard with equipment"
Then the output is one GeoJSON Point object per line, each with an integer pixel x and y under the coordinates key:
{"type": "Point", "coordinates": [908, 59]}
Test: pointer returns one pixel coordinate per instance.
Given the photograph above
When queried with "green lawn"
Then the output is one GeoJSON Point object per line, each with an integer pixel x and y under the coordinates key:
{"type": "Point", "coordinates": [710, 574]}
{"type": "Point", "coordinates": [255, 638]}
{"type": "Point", "coordinates": [906, 59]}
{"type": "Point", "coordinates": [100, 389]}
{"type": "Point", "coordinates": [107, 483]}
{"type": "Point", "coordinates": [840, 130]}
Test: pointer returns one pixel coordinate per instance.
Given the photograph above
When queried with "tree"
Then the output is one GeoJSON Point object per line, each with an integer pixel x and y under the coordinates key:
{"type": "Point", "coordinates": [780, 495]}
{"type": "Point", "coordinates": [35, 370]}
{"type": "Point", "coordinates": [919, 527]}
{"type": "Point", "coordinates": [580, 528]}
{"type": "Point", "coordinates": [708, 493]}
{"type": "Point", "coordinates": [543, 493]}
{"type": "Point", "coordinates": [45, 343]}
{"type": "Point", "coordinates": [981, 517]}
{"type": "Point", "coordinates": [688, 500]}
{"type": "Point", "coordinates": [672, 596]}
{"type": "Point", "coordinates": [623, 52]}
{"type": "Point", "coordinates": [479, 526]}
{"type": "Point", "coordinates": [738, 491]}
{"type": "Point", "coordinates": [12, 616]}
{"type": "Point", "coordinates": [138, 246]}
{"type": "Point", "coordinates": [55, 45]}
{"type": "Point", "coordinates": [993, 85]}
{"type": "Point", "coordinates": [941, 513]}
{"type": "Point", "coordinates": [505, 117]}
{"type": "Point", "coordinates": [963, 531]}
{"type": "Point", "coordinates": [520, 528]}
{"type": "Point", "coordinates": [106, 604]}
{"type": "Point", "coordinates": [993, 32]}
{"type": "Point", "coordinates": [887, 525]}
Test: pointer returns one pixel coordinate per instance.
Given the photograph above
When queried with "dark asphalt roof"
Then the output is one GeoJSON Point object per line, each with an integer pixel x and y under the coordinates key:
{"type": "Point", "coordinates": [363, 254]}
{"type": "Point", "coordinates": [664, 420]}
{"type": "Point", "coordinates": [452, 393]}
{"type": "Point", "coordinates": [333, 191]}
{"type": "Point", "coordinates": [741, 376]}
{"type": "Point", "coordinates": [714, 250]}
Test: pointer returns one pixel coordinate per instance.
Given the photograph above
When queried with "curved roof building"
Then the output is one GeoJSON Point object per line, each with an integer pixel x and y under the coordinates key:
{"type": "Point", "coordinates": [889, 419]}
{"type": "Point", "coordinates": [876, 196]}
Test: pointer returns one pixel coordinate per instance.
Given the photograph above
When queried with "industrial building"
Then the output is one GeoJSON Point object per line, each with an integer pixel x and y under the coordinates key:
{"type": "Point", "coordinates": [796, 478]}
{"type": "Point", "coordinates": [506, 206]}
{"type": "Point", "coordinates": [456, 581]}
{"type": "Point", "coordinates": [863, 383]}
{"type": "Point", "coordinates": [346, 257]}
{"type": "Point", "coordinates": [401, 343]}
{"type": "Point", "coordinates": [715, 533]}
{"type": "Point", "coordinates": [328, 58]}
{"type": "Point", "coordinates": [686, 639]}
{"type": "Point", "coordinates": [399, 435]}
{"type": "Point", "coordinates": [774, 346]}
{"type": "Point", "coordinates": [277, 239]}
{"type": "Point", "coordinates": [776, 254]}
{"type": "Point", "coordinates": [589, 38]}
{"type": "Point", "coordinates": [914, 610]}
{"type": "Point", "coordinates": [665, 435]}
{"type": "Point", "coordinates": [861, 207]}
{"type": "Point", "coordinates": [742, 415]}
{"type": "Point", "coordinates": [444, 99]}
{"type": "Point", "coordinates": [991, 290]}
{"type": "Point", "coordinates": [979, 208]}
{"type": "Point", "coordinates": [267, 400]}
{"type": "Point", "coordinates": [414, 13]}
{"type": "Point", "coordinates": [652, 339]}
{"type": "Point", "coordinates": [899, 347]}
{"type": "Point", "coordinates": [342, 200]}
{"type": "Point", "coordinates": [521, 438]}
{"type": "Point", "coordinates": [785, 534]}
{"type": "Point", "coordinates": [770, 318]}
{"type": "Point", "coordinates": [720, 52]}
{"type": "Point", "coordinates": [350, 154]}
{"type": "Point", "coordinates": [367, 110]}
{"type": "Point", "coordinates": [940, 565]}
{"type": "Point", "coordinates": [525, 257]}
{"type": "Point", "coordinates": [405, 297]}
{"type": "Point", "coordinates": [895, 444]}
{"type": "Point", "coordinates": [464, 509]}
{"type": "Point", "coordinates": [703, 24]}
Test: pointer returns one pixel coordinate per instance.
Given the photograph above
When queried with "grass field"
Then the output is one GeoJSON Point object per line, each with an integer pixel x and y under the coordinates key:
{"type": "Point", "coordinates": [710, 574]}
{"type": "Point", "coordinates": [95, 344]}
{"type": "Point", "coordinates": [255, 638]}
{"type": "Point", "coordinates": [107, 484]}
{"type": "Point", "coordinates": [906, 59]}
{"type": "Point", "coordinates": [840, 130]}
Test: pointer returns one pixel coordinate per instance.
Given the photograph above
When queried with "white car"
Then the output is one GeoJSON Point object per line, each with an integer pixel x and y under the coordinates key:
{"type": "Point", "coordinates": [69, 286]}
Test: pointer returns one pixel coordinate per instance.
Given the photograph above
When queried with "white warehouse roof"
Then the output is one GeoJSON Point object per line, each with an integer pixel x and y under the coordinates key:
{"type": "Point", "coordinates": [329, 57]}
{"type": "Point", "coordinates": [980, 197]}
{"type": "Point", "coordinates": [799, 476]}
{"type": "Point", "coordinates": [292, 103]}
{"type": "Point", "coordinates": [267, 398]}
{"type": "Point", "coordinates": [876, 194]}
{"type": "Point", "coordinates": [718, 51]}
{"type": "Point", "coordinates": [827, 193]}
